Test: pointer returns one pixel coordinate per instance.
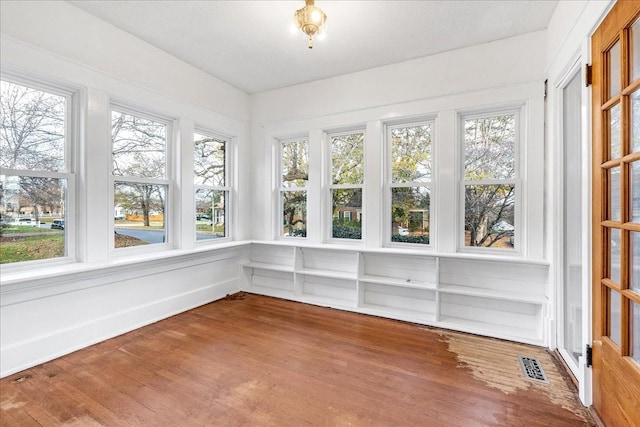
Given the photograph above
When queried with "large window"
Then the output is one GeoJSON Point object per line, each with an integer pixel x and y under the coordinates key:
{"type": "Point", "coordinates": [210, 178]}
{"type": "Point", "coordinates": [35, 173]}
{"type": "Point", "coordinates": [141, 187]}
{"type": "Point", "coordinates": [409, 159]}
{"type": "Point", "coordinates": [294, 168]}
{"type": "Point", "coordinates": [347, 181]}
{"type": "Point", "coordinates": [490, 180]}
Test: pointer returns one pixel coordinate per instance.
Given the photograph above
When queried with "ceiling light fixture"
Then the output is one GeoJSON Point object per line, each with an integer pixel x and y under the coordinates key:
{"type": "Point", "coordinates": [310, 20]}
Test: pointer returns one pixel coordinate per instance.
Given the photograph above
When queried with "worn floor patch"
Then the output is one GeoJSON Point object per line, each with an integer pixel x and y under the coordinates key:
{"type": "Point", "coordinates": [495, 362]}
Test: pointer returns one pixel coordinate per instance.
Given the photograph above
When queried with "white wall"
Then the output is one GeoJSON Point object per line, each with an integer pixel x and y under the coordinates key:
{"type": "Point", "coordinates": [59, 27]}
{"type": "Point", "coordinates": [49, 311]}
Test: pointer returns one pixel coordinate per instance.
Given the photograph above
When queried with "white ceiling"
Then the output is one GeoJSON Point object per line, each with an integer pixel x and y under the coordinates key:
{"type": "Point", "coordinates": [249, 44]}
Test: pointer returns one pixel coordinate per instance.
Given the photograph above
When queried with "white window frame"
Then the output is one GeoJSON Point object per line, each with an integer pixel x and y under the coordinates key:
{"type": "Point", "coordinates": [166, 181]}
{"type": "Point", "coordinates": [520, 137]}
{"type": "Point", "coordinates": [71, 148]}
{"type": "Point", "coordinates": [227, 187]}
{"type": "Point", "coordinates": [390, 185]}
{"type": "Point", "coordinates": [328, 217]}
{"type": "Point", "coordinates": [282, 189]}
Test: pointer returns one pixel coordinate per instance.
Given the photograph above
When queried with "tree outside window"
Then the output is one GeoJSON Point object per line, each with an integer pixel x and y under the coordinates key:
{"type": "Point", "coordinates": [33, 172]}
{"type": "Point", "coordinates": [294, 174]}
{"type": "Point", "coordinates": [139, 168]}
{"type": "Point", "coordinates": [410, 187]}
{"type": "Point", "coordinates": [347, 181]}
{"type": "Point", "coordinates": [490, 180]}
{"type": "Point", "coordinates": [211, 186]}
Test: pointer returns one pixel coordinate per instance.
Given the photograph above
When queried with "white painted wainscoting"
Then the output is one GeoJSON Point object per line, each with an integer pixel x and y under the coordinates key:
{"type": "Point", "coordinates": [503, 298]}
{"type": "Point", "coordinates": [78, 305]}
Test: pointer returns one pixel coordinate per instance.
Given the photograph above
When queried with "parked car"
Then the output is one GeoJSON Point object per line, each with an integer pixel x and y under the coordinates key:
{"type": "Point", "coordinates": [403, 231]}
{"type": "Point", "coordinates": [26, 221]}
{"type": "Point", "coordinates": [58, 224]}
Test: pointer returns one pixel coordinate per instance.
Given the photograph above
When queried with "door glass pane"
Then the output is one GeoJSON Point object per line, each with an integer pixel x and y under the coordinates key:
{"type": "Point", "coordinates": [635, 121]}
{"type": "Point", "coordinates": [572, 98]}
{"type": "Point", "coordinates": [614, 194]}
{"type": "Point", "coordinates": [614, 132]}
{"type": "Point", "coordinates": [634, 191]}
{"type": "Point", "coordinates": [614, 69]}
{"type": "Point", "coordinates": [614, 317]}
{"type": "Point", "coordinates": [635, 49]}
{"type": "Point", "coordinates": [614, 255]}
{"type": "Point", "coordinates": [635, 331]}
{"type": "Point", "coordinates": [635, 261]}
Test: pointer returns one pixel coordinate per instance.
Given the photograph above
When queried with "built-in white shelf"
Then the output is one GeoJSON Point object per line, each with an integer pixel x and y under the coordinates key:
{"type": "Point", "coordinates": [500, 297]}
{"type": "Point", "coordinates": [492, 293]}
{"type": "Point", "coordinates": [392, 281]}
{"type": "Point", "coordinates": [328, 273]}
{"type": "Point", "coordinates": [268, 266]}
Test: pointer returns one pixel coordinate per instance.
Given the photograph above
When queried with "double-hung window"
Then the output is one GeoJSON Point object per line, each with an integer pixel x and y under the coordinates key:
{"type": "Point", "coordinates": [491, 179]}
{"type": "Point", "coordinates": [36, 173]}
{"type": "Point", "coordinates": [346, 186]}
{"type": "Point", "coordinates": [410, 164]}
{"type": "Point", "coordinates": [294, 177]}
{"type": "Point", "coordinates": [140, 177]}
{"type": "Point", "coordinates": [211, 183]}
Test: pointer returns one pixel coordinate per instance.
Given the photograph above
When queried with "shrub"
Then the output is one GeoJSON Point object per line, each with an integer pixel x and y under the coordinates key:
{"type": "Point", "coordinates": [299, 232]}
{"type": "Point", "coordinates": [346, 232]}
{"type": "Point", "coordinates": [410, 239]}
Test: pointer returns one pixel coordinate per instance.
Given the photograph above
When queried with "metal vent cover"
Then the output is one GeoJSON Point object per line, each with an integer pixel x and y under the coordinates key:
{"type": "Point", "coordinates": [532, 369]}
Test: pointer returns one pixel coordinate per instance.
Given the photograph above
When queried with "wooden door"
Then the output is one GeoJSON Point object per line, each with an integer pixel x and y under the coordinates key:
{"type": "Point", "coordinates": [616, 215]}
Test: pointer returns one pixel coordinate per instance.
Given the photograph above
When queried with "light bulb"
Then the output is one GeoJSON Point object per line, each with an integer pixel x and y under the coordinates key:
{"type": "Point", "coordinates": [315, 16]}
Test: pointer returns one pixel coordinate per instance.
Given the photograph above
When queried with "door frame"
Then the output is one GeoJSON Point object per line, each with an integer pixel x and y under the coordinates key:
{"type": "Point", "coordinates": [580, 370]}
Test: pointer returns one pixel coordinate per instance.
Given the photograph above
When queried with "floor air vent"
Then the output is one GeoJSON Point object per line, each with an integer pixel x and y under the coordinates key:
{"type": "Point", "coordinates": [532, 369]}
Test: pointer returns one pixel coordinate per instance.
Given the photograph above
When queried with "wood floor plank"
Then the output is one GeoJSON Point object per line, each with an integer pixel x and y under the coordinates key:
{"type": "Point", "coordinates": [259, 361]}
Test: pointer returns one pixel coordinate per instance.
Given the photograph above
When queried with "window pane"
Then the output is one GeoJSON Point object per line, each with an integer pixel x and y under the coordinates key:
{"type": "Point", "coordinates": [210, 214]}
{"type": "Point", "coordinates": [209, 160]}
{"type": "Point", "coordinates": [614, 70]}
{"type": "Point", "coordinates": [143, 208]}
{"type": "Point", "coordinates": [347, 213]}
{"type": "Point", "coordinates": [139, 146]}
{"type": "Point", "coordinates": [615, 317]}
{"type": "Point", "coordinates": [294, 213]}
{"type": "Point", "coordinates": [411, 153]}
{"type": "Point", "coordinates": [490, 148]}
{"type": "Point", "coordinates": [489, 215]}
{"type": "Point", "coordinates": [347, 159]}
{"type": "Point", "coordinates": [410, 215]}
{"type": "Point", "coordinates": [32, 212]}
{"type": "Point", "coordinates": [33, 126]}
{"type": "Point", "coordinates": [614, 255]}
{"type": "Point", "coordinates": [614, 132]}
{"type": "Point", "coordinates": [295, 164]}
{"type": "Point", "coordinates": [614, 193]}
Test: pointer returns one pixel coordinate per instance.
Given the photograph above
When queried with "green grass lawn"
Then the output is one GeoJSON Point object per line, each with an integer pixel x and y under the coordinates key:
{"type": "Point", "coordinates": [14, 229]}
{"type": "Point", "coordinates": [31, 248]}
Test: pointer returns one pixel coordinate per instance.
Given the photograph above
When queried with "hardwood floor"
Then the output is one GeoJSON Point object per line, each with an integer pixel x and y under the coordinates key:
{"type": "Point", "coordinates": [250, 360]}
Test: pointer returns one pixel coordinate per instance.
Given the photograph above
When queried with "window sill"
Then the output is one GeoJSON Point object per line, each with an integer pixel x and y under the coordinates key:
{"type": "Point", "coordinates": [64, 277]}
